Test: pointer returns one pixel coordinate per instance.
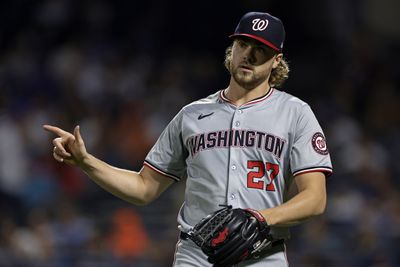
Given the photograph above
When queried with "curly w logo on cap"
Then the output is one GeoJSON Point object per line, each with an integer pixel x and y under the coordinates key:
{"type": "Point", "coordinates": [262, 27]}
{"type": "Point", "coordinates": [259, 24]}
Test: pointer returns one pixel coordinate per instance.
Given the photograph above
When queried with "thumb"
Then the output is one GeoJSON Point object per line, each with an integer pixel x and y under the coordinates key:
{"type": "Point", "coordinates": [77, 135]}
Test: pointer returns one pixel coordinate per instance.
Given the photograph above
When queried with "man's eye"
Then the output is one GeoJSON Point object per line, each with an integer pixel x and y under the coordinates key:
{"type": "Point", "coordinates": [242, 44]}
{"type": "Point", "coordinates": [260, 50]}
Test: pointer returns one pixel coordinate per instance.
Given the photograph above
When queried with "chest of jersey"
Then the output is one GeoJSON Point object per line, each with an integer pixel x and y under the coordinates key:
{"type": "Point", "coordinates": [238, 154]}
{"type": "Point", "coordinates": [253, 129]}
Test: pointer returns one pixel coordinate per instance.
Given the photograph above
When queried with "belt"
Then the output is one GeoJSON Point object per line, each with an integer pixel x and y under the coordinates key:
{"type": "Point", "coordinates": [277, 246]}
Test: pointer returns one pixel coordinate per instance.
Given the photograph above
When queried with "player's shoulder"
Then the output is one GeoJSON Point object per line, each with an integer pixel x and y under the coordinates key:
{"type": "Point", "coordinates": [289, 100]}
{"type": "Point", "coordinates": [196, 106]}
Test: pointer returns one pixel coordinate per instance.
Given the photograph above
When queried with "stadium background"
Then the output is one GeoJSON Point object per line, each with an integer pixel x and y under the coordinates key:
{"type": "Point", "coordinates": [122, 69]}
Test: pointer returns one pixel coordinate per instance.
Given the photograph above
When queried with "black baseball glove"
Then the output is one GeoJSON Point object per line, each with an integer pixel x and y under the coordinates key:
{"type": "Point", "coordinates": [229, 236]}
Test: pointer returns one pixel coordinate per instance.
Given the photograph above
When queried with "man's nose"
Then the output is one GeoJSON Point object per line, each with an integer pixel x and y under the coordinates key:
{"type": "Point", "coordinates": [249, 54]}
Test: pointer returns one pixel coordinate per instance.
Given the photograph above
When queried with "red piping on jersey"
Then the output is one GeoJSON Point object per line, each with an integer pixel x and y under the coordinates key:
{"type": "Point", "coordinates": [327, 171]}
{"type": "Point", "coordinates": [223, 97]}
{"type": "Point", "coordinates": [160, 171]}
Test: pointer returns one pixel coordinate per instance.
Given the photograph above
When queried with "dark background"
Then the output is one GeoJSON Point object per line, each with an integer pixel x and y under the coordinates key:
{"type": "Point", "coordinates": [122, 69]}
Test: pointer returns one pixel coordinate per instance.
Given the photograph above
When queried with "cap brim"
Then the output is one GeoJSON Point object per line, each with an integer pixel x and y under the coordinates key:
{"type": "Point", "coordinates": [258, 39]}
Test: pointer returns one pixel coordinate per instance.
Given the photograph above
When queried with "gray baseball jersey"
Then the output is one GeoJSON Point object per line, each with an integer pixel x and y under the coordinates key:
{"type": "Point", "coordinates": [245, 156]}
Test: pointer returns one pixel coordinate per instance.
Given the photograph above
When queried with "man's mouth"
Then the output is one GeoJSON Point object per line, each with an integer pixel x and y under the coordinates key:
{"type": "Point", "coordinates": [246, 68]}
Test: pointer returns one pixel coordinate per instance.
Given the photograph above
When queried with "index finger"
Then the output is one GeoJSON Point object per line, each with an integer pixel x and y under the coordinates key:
{"type": "Point", "coordinates": [58, 131]}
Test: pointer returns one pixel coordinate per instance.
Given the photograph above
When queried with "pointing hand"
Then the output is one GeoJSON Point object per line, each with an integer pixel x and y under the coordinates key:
{"type": "Point", "coordinates": [68, 147]}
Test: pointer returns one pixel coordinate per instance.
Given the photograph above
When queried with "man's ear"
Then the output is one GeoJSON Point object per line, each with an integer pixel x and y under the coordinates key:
{"type": "Point", "coordinates": [277, 60]}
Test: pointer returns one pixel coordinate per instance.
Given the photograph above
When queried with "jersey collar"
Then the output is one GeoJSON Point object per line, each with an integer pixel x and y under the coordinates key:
{"type": "Point", "coordinates": [251, 102]}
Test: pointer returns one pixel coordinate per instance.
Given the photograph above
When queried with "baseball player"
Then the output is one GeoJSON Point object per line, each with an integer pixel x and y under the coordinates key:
{"type": "Point", "coordinates": [242, 146]}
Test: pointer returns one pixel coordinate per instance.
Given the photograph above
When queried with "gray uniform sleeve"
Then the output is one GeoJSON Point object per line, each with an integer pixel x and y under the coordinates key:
{"type": "Point", "coordinates": [168, 155]}
{"type": "Point", "coordinates": [309, 152]}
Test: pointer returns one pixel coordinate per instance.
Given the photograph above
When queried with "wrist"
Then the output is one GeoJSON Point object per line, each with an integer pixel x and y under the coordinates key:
{"type": "Point", "coordinates": [260, 217]}
{"type": "Point", "coordinates": [269, 216]}
{"type": "Point", "coordinates": [86, 162]}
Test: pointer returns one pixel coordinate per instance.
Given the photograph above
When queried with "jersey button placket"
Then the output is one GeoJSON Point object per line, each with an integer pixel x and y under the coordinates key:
{"type": "Point", "coordinates": [232, 197]}
{"type": "Point", "coordinates": [237, 120]}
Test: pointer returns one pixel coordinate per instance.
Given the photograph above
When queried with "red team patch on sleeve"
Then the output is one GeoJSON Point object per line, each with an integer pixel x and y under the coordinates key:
{"type": "Point", "coordinates": [319, 144]}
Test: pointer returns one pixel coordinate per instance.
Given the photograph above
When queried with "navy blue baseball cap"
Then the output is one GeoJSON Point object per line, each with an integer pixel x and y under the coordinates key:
{"type": "Point", "coordinates": [262, 27]}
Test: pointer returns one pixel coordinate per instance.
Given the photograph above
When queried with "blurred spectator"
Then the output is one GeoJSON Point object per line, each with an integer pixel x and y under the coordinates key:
{"type": "Point", "coordinates": [13, 158]}
{"type": "Point", "coordinates": [129, 239]}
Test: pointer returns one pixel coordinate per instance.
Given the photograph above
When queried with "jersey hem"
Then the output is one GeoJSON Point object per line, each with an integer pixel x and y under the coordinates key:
{"type": "Point", "coordinates": [156, 169]}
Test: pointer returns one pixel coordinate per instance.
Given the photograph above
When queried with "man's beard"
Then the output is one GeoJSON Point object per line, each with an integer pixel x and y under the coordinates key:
{"type": "Point", "coordinates": [248, 80]}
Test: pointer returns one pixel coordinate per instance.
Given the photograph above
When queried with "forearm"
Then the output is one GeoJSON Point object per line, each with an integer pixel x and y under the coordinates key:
{"type": "Point", "coordinates": [304, 205]}
{"type": "Point", "coordinates": [125, 184]}
{"type": "Point", "coordinates": [137, 188]}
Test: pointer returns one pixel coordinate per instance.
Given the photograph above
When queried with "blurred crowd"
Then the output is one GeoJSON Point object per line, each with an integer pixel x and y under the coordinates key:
{"type": "Point", "coordinates": [122, 70]}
